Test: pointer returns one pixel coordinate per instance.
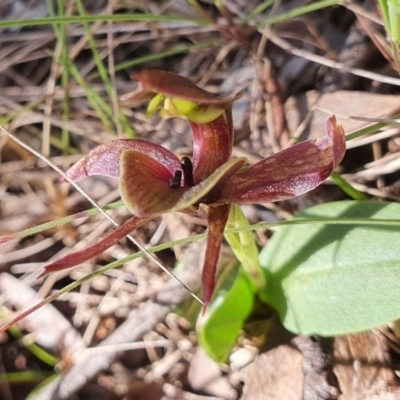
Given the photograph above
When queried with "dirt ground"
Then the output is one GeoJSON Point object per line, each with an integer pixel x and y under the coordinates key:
{"type": "Point", "coordinates": [131, 332]}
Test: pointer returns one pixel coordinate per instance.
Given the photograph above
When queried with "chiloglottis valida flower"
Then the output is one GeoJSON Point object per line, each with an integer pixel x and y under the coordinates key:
{"type": "Point", "coordinates": [153, 180]}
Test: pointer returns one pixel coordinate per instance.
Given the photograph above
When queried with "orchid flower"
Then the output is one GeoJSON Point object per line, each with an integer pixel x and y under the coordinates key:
{"type": "Point", "coordinates": [153, 180]}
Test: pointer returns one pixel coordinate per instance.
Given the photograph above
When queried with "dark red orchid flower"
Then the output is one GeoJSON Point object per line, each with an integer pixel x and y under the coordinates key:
{"type": "Point", "coordinates": [153, 180]}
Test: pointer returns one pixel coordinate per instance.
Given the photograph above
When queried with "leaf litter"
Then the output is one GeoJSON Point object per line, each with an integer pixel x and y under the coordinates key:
{"type": "Point", "coordinates": [286, 94]}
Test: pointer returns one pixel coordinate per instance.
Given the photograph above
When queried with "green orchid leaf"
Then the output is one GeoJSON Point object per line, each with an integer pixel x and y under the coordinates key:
{"type": "Point", "coordinates": [225, 316]}
{"type": "Point", "coordinates": [335, 279]}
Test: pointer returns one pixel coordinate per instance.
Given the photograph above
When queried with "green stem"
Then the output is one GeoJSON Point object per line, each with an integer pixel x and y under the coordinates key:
{"type": "Point", "coordinates": [244, 246]}
{"type": "Point", "coordinates": [347, 188]}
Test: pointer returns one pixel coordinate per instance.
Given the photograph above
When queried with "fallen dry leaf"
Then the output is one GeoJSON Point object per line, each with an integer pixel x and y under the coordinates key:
{"type": "Point", "coordinates": [363, 367]}
{"type": "Point", "coordinates": [275, 375]}
{"type": "Point", "coordinates": [341, 102]}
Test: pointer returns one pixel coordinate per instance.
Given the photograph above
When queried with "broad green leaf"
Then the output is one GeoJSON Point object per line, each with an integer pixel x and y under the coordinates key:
{"type": "Point", "coordinates": [335, 279]}
{"type": "Point", "coordinates": [225, 317]}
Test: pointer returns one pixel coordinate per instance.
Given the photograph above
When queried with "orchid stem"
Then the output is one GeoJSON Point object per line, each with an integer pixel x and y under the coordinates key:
{"type": "Point", "coordinates": [244, 246]}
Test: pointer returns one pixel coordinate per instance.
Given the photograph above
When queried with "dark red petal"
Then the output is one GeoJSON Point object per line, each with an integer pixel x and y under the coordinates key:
{"type": "Point", "coordinates": [71, 260]}
{"type": "Point", "coordinates": [289, 173]}
{"type": "Point", "coordinates": [155, 81]}
{"type": "Point", "coordinates": [144, 184]}
{"type": "Point", "coordinates": [212, 145]}
{"type": "Point", "coordinates": [105, 159]}
{"type": "Point", "coordinates": [217, 217]}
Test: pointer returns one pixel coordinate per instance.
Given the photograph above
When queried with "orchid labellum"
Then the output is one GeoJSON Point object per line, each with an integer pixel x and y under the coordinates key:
{"type": "Point", "coordinates": [153, 180]}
